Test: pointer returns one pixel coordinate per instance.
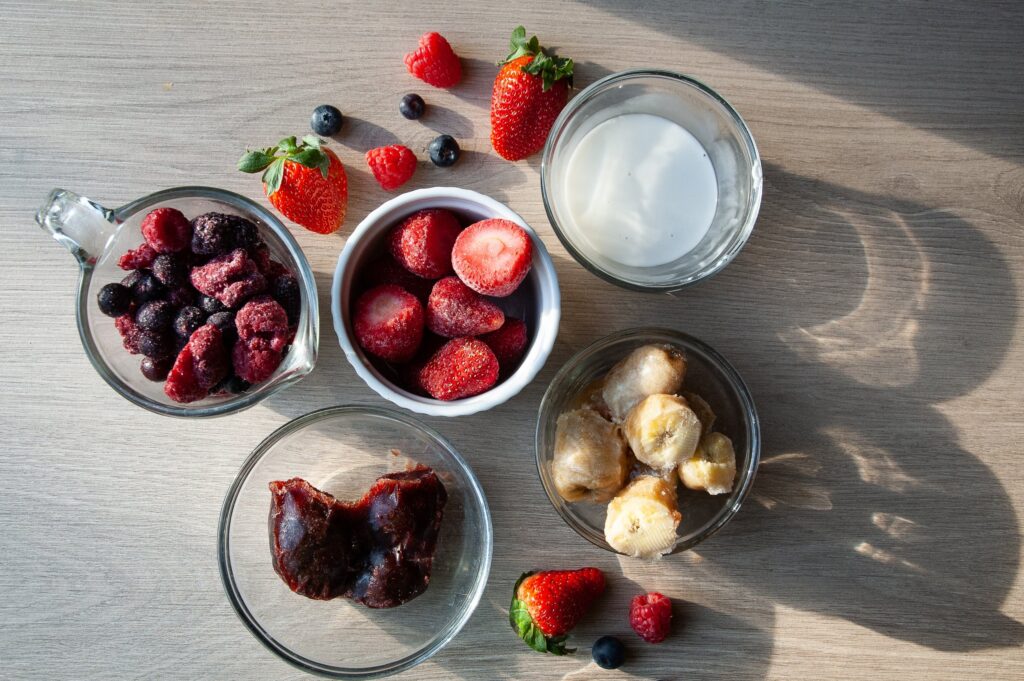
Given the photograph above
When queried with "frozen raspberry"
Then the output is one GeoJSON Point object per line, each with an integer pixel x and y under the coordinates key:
{"type": "Point", "coordinates": [650, 615]}
{"type": "Point", "coordinates": [156, 315]}
{"type": "Point", "coordinates": [188, 320]}
{"type": "Point", "coordinates": [388, 322]}
{"type": "Point", "coordinates": [434, 61]}
{"type": "Point", "coordinates": [385, 270]}
{"type": "Point", "coordinates": [155, 369]}
{"type": "Point", "coordinates": [167, 230]}
{"type": "Point", "coordinates": [230, 278]}
{"type": "Point", "coordinates": [129, 331]}
{"type": "Point", "coordinates": [493, 256]}
{"type": "Point", "coordinates": [252, 363]}
{"type": "Point", "coordinates": [454, 310]}
{"type": "Point", "coordinates": [462, 368]}
{"type": "Point", "coordinates": [155, 344]}
{"type": "Point", "coordinates": [285, 290]}
{"type": "Point", "coordinates": [392, 166]}
{"type": "Point", "coordinates": [137, 258]}
{"type": "Point", "coordinates": [169, 270]}
{"type": "Point", "coordinates": [423, 242]}
{"type": "Point", "coordinates": [263, 317]}
{"type": "Point", "coordinates": [508, 343]}
{"type": "Point", "coordinates": [200, 365]}
{"type": "Point", "coordinates": [214, 233]}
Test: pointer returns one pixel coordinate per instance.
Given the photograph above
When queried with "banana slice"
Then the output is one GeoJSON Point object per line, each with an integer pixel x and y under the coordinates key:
{"type": "Point", "coordinates": [703, 411]}
{"type": "Point", "coordinates": [712, 467]}
{"type": "Point", "coordinates": [590, 457]}
{"type": "Point", "coordinates": [642, 519]}
{"type": "Point", "coordinates": [662, 431]}
{"type": "Point", "coordinates": [648, 370]}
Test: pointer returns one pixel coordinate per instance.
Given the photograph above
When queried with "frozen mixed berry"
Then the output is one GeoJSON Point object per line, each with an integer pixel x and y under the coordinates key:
{"type": "Point", "coordinates": [423, 242]}
{"type": "Point", "coordinates": [263, 317]}
{"type": "Point", "coordinates": [412, 106]}
{"type": "Point", "coordinates": [155, 344]}
{"type": "Point", "coordinates": [386, 270]}
{"type": "Point", "coordinates": [392, 166]}
{"type": "Point", "coordinates": [167, 230]}
{"type": "Point", "coordinates": [201, 364]}
{"type": "Point", "coordinates": [326, 120]}
{"type": "Point", "coordinates": [155, 315]}
{"type": "Point", "coordinates": [114, 299]}
{"type": "Point", "coordinates": [155, 369]}
{"type": "Point", "coordinates": [267, 266]}
{"type": "Point", "coordinates": [129, 330]}
{"type": "Point", "coordinates": [232, 385]}
{"type": "Point", "coordinates": [254, 362]}
{"type": "Point", "coordinates": [455, 310]}
{"type": "Point", "coordinates": [463, 367]}
{"type": "Point", "coordinates": [285, 290]}
{"type": "Point", "coordinates": [434, 61]}
{"type": "Point", "coordinates": [230, 278]}
{"type": "Point", "coordinates": [508, 343]}
{"type": "Point", "coordinates": [183, 296]}
{"type": "Point", "coordinates": [189, 319]}
{"type": "Point", "coordinates": [210, 305]}
{"type": "Point", "coordinates": [493, 256]}
{"type": "Point", "coordinates": [388, 322]}
{"type": "Point", "coordinates": [214, 233]}
{"type": "Point", "coordinates": [138, 258]}
{"type": "Point", "coordinates": [146, 287]}
{"type": "Point", "coordinates": [409, 372]}
{"type": "Point", "coordinates": [247, 234]}
{"type": "Point", "coordinates": [222, 320]}
{"type": "Point", "coordinates": [169, 270]}
{"type": "Point", "coordinates": [650, 615]}
{"type": "Point", "coordinates": [443, 151]}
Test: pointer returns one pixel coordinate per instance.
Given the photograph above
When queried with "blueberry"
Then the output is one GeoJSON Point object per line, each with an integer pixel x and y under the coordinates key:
{"type": "Point", "coordinates": [155, 344]}
{"type": "Point", "coordinates": [285, 290]}
{"type": "Point", "coordinates": [213, 233]}
{"type": "Point", "coordinates": [114, 299]}
{"type": "Point", "coordinates": [444, 151]}
{"type": "Point", "coordinates": [188, 320]}
{"type": "Point", "coordinates": [222, 320]}
{"type": "Point", "coordinates": [169, 270]}
{"type": "Point", "coordinates": [155, 315]}
{"type": "Point", "coordinates": [608, 652]}
{"type": "Point", "coordinates": [210, 305]}
{"type": "Point", "coordinates": [155, 369]}
{"type": "Point", "coordinates": [411, 106]}
{"type": "Point", "coordinates": [146, 287]}
{"type": "Point", "coordinates": [232, 385]}
{"type": "Point", "coordinates": [326, 120]}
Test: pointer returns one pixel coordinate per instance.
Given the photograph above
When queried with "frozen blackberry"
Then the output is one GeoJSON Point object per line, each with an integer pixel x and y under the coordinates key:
{"type": "Point", "coordinates": [188, 320]}
{"type": "Point", "coordinates": [155, 315]}
{"type": "Point", "coordinates": [285, 290]}
{"type": "Point", "coordinates": [155, 369]}
{"type": "Point", "coordinates": [231, 385]}
{"type": "Point", "coordinates": [146, 287]}
{"type": "Point", "coordinates": [247, 234]}
{"type": "Point", "coordinates": [214, 233]}
{"type": "Point", "coordinates": [114, 299]}
{"type": "Point", "coordinates": [169, 270]}
{"type": "Point", "coordinates": [155, 344]}
{"type": "Point", "coordinates": [210, 305]}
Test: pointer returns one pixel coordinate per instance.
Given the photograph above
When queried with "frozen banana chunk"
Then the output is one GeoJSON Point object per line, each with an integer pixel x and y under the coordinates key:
{"type": "Point", "coordinates": [642, 519]}
{"type": "Point", "coordinates": [590, 457]}
{"type": "Point", "coordinates": [712, 467]}
{"type": "Point", "coordinates": [662, 431]}
{"type": "Point", "coordinates": [648, 370]}
{"type": "Point", "coordinates": [703, 411]}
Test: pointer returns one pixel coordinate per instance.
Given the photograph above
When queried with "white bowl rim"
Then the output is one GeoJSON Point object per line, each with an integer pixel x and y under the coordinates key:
{"type": "Point", "coordinates": [544, 335]}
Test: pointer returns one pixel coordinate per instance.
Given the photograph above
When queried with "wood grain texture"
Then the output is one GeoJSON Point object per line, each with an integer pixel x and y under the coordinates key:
{"type": "Point", "coordinates": [874, 314]}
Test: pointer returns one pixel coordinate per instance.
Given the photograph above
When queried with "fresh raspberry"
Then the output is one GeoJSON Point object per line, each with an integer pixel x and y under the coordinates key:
{"type": "Point", "coordinates": [650, 615]}
{"type": "Point", "coordinates": [493, 256]}
{"type": "Point", "coordinates": [137, 258]}
{"type": "Point", "coordinates": [263, 317]}
{"type": "Point", "coordinates": [388, 323]}
{"type": "Point", "coordinates": [391, 166]}
{"type": "Point", "coordinates": [230, 278]}
{"type": "Point", "coordinates": [129, 331]}
{"type": "Point", "coordinates": [434, 61]}
{"type": "Point", "coordinates": [508, 343]}
{"type": "Point", "coordinates": [463, 367]}
{"type": "Point", "coordinates": [385, 270]}
{"type": "Point", "coordinates": [253, 363]}
{"type": "Point", "coordinates": [167, 230]}
{"type": "Point", "coordinates": [423, 242]}
{"type": "Point", "coordinates": [454, 310]}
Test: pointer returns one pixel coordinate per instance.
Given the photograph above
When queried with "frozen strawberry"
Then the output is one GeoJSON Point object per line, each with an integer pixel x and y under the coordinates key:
{"type": "Point", "coordinates": [254, 361]}
{"type": "Point", "coordinates": [263, 317]}
{"type": "Point", "coordinates": [167, 230]}
{"type": "Point", "coordinates": [137, 258]}
{"type": "Point", "coordinates": [463, 367]}
{"type": "Point", "coordinates": [423, 242]}
{"type": "Point", "coordinates": [493, 256]}
{"type": "Point", "coordinates": [409, 373]}
{"type": "Point", "coordinates": [454, 310]}
{"type": "Point", "coordinates": [200, 365]}
{"type": "Point", "coordinates": [129, 331]}
{"type": "Point", "coordinates": [386, 270]}
{"type": "Point", "coordinates": [182, 384]}
{"type": "Point", "coordinates": [508, 343]}
{"type": "Point", "coordinates": [388, 322]}
{"type": "Point", "coordinates": [230, 278]}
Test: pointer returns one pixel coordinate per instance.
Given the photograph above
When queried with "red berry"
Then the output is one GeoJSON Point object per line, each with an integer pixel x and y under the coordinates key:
{"type": "Point", "coordinates": [493, 256]}
{"type": "Point", "coordinates": [551, 603]}
{"type": "Point", "coordinates": [200, 365]}
{"type": "Point", "coordinates": [230, 278]}
{"type": "Point", "coordinates": [385, 270]}
{"type": "Point", "coordinates": [650, 615]}
{"type": "Point", "coordinates": [463, 367]}
{"type": "Point", "coordinates": [129, 331]}
{"type": "Point", "coordinates": [254, 361]}
{"type": "Point", "coordinates": [265, 318]}
{"type": "Point", "coordinates": [409, 373]}
{"type": "Point", "coordinates": [454, 310]}
{"type": "Point", "coordinates": [434, 61]}
{"type": "Point", "coordinates": [423, 242]}
{"type": "Point", "coordinates": [167, 230]}
{"type": "Point", "coordinates": [388, 322]}
{"type": "Point", "coordinates": [508, 343]}
{"type": "Point", "coordinates": [137, 258]}
{"type": "Point", "coordinates": [392, 166]}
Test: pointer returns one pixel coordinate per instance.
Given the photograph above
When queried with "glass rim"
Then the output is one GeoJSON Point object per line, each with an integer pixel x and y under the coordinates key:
{"type": "Point", "coordinates": [571, 109]}
{"type": "Point", "coordinates": [252, 623]}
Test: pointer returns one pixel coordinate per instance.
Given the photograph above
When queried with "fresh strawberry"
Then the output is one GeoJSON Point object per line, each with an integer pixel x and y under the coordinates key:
{"type": "Point", "coordinates": [304, 180]}
{"type": "Point", "coordinates": [137, 258]}
{"type": "Point", "coordinates": [434, 61]}
{"type": "Point", "coordinates": [423, 242]}
{"type": "Point", "coordinates": [392, 166]}
{"type": "Point", "coordinates": [493, 256]}
{"type": "Point", "coordinates": [388, 323]}
{"type": "Point", "coordinates": [529, 92]}
{"type": "Point", "coordinates": [650, 615]}
{"type": "Point", "coordinates": [508, 343]}
{"type": "Point", "coordinates": [454, 310]}
{"type": "Point", "coordinates": [547, 605]}
{"type": "Point", "coordinates": [463, 367]}
{"type": "Point", "coordinates": [167, 230]}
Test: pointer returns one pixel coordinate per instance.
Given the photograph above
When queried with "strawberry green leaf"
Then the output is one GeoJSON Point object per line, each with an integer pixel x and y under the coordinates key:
{"type": "Point", "coordinates": [524, 626]}
{"type": "Point", "coordinates": [255, 161]}
{"type": "Point", "coordinates": [288, 145]}
{"type": "Point", "coordinates": [520, 46]}
{"type": "Point", "coordinates": [311, 157]}
{"type": "Point", "coordinates": [312, 141]}
{"type": "Point", "coordinates": [273, 176]}
{"type": "Point", "coordinates": [550, 69]}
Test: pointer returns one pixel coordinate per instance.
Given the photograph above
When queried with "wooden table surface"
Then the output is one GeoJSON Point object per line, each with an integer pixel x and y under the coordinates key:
{"type": "Point", "coordinates": [875, 314]}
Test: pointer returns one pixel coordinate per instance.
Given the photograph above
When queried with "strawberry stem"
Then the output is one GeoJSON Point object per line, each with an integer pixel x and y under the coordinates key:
{"type": "Point", "coordinates": [308, 152]}
{"type": "Point", "coordinates": [550, 68]}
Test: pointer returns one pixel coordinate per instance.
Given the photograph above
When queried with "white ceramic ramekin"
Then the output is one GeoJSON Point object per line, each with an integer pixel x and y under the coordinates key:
{"type": "Point", "coordinates": [366, 242]}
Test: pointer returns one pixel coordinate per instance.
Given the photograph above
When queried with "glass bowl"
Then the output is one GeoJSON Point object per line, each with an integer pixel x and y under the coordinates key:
{"type": "Point", "coordinates": [342, 450]}
{"type": "Point", "coordinates": [97, 236]}
{"type": "Point", "coordinates": [709, 375]}
{"type": "Point", "coordinates": [697, 109]}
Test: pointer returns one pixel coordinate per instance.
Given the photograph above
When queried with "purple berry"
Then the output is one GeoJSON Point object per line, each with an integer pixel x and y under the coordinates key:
{"type": "Point", "coordinates": [210, 305]}
{"type": "Point", "coordinates": [155, 315]}
{"type": "Point", "coordinates": [169, 270]}
{"type": "Point", "coordinates": [188, 320]}
{"type": "Point", "coordinates": [285, 290]}
{"type": "Point", "coordinates": [146, 287]}
{"type": "Point", "coordinates": [155, 369]}
{"type": "Point", "coordinates": [155, 344]}
{"type": "Point", "coordinates": [114, 300]}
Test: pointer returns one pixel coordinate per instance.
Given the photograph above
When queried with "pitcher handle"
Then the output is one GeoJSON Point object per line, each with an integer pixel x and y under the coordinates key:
{"type": "Point", "coordinates": [84, 227]}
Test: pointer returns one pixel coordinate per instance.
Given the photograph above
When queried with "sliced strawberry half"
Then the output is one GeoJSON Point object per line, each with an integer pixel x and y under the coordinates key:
{"type": "Point", "coordinates": [493, 256]}
{"type": "Point", "coordinates": [388, 322]}
{"type": "Point", "coordinates": [454, 310]}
